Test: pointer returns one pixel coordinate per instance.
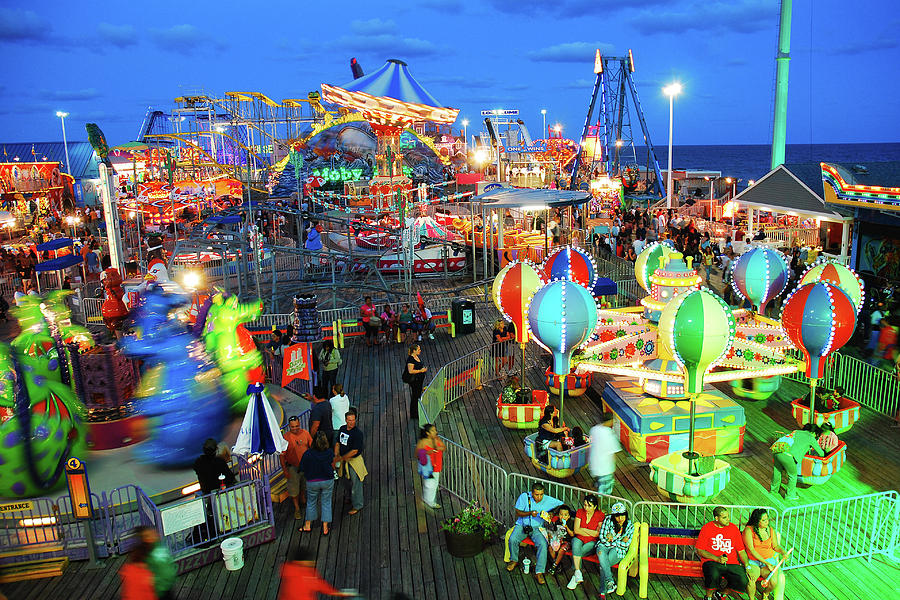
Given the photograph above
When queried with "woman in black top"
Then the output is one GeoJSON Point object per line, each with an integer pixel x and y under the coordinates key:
{"type": "Point", "coordinates": [549, 431]}
{"type": "Point", "coordinates": [416, 378]}
{"type": "Point", "coordinates": [317, 467]}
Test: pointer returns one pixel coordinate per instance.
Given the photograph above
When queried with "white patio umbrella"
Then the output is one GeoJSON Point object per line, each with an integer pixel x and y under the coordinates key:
{"type": "Point", "coordinates": [260, 433]}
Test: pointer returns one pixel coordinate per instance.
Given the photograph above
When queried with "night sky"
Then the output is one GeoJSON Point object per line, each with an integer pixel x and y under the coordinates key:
{"type": "Point", "coordinates": [108, 62]}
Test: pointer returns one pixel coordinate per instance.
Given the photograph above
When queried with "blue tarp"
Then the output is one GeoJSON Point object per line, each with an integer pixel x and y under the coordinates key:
{"type": "Point", "coordinates": [605, 287]}
{"type": "Point", "coordinates": [62, 262]}
{"type": "Point", "coordinates": [54, 244]}
{"type": "Point", "coordinates": [225, 219]}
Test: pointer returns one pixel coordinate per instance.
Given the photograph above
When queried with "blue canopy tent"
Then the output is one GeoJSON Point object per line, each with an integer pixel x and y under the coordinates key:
{"type": "Point", "coordinates": [54, 244]}
{"type": "Point", "coordinates": [57, 264]}
{"type": "Point", "coordinates": [605, 287]}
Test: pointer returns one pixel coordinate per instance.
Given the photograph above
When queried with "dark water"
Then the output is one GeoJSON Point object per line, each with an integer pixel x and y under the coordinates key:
{"type": "Point", "coordinates": [752, 161]}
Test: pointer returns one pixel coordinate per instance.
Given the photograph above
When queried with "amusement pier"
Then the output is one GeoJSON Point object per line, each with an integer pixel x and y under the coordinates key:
{"type": "Point", "coordinates": [363, 343]}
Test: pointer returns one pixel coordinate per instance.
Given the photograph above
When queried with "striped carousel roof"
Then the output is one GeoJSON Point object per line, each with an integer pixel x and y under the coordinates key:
{"type": "Point", "coordinates": [390, 89]}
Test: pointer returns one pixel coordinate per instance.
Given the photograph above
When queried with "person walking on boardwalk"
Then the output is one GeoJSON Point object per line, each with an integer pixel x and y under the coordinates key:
{"type": "Point", "coordinates": [160, 563]}
{"type": "Point", "coordinates": [530, 511]}
{"type": "Point", "coordinates": [348, 450]}
{"type": "Point", "coordinates": [602, 455]}
{"type": "Point", "coordinates": [722, 554]}
{"type": "Point", "coordinates": [299, 441]}
{"type": "Point", "coordinates": [137, 579]}
{"type": "Point", "coordinates": [301, 581]}
{"type": "Point", "coordinates": [414, 376]}
{"type": "Point", "coordinates": [615, 537]}
{"type": "Point", "coordinates": [318, 470]}
{"type": "Point", "coordinates": [430, 449]}
{"type": "Point", "coordinates": [788, 452]}
{"type": "Point", "coordinates": [765, 552]}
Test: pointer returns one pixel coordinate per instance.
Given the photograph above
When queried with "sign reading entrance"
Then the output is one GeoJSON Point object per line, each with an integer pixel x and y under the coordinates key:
{"type": "Point", "coordinates": [11, 507]}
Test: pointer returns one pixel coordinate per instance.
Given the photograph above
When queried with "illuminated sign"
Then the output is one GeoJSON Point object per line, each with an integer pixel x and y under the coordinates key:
{"type": "Point", "coordinates": [79, 490]}
{"type": "Point", "coordinates": [539, 146]}
{"type": "Point", "coordinates": [338, 174]}
{"type": "Point", "coordinates": [500, 112]}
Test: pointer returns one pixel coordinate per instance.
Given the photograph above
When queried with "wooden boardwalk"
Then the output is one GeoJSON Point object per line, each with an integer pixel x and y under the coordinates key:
{"type": "Point", "coordinates": [395, 545]}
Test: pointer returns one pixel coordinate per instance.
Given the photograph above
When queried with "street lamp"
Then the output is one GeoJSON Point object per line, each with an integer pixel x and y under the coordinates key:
{"type": "Point", "coordinates": [62, 119]}
{"type": "Point", "coordinates": [671, 90]}
{"type": "Point", "coordinates": [465, 124]}
{"type": "Point", "coordinates": [712, 195]}
{"type": "Point", "coordinates": [544, 120]}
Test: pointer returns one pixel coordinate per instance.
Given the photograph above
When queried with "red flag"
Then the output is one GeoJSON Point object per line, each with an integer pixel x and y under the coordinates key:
{"type": "Point", "coordinates": [297, 363]}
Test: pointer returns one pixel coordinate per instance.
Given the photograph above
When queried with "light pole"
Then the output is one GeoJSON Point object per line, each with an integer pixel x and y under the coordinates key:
{"type": "Point", "coordinates": [62, 119]}
{"type": "Point", "coordinates": [733, 182]}
{"type": "Point", "coordinates": [712, 194]}
{"type": "Point", "coordinates": [544, 120]}
{"type": "Point", "coordinates": [671, 90]}
{"type": "Point", "coordinates": [465, 124]}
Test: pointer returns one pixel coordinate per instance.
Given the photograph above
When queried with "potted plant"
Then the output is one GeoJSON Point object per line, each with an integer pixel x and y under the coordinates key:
{"type": "Point", "coordinates": [467, 531]}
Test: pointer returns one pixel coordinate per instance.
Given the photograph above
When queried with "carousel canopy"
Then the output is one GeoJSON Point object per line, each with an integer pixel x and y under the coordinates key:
{"type": "Point", "coordinates": [530, 199]}
{"type": "Point", "coordinates": [54, 244]}
{"type": "Point", "coordinates": [391, 96]}
{"type": "Point", "coordinates": [62, 262]}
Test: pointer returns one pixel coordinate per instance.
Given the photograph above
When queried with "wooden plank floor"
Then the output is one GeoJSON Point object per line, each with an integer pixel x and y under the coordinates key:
{"type": "Point", "coordinates": [395, 545]}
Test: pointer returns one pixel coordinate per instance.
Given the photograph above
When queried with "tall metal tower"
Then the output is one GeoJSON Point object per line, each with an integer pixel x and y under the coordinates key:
{"type": "Point", "coordinates": [611, 135]}
{"type": "Point", "coordinates": [782, 60]}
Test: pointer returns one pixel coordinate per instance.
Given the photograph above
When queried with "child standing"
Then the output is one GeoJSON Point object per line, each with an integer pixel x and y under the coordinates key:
{"type": "Point", "coordinates": [559, 535]}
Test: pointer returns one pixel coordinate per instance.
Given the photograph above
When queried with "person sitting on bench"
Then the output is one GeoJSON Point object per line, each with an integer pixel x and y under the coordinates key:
{"type": "Point", "coordinates": [722, 554]}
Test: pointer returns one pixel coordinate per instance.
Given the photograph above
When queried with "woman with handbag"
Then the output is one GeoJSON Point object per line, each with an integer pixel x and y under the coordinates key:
{"type": "Point", "coordinates": [430, 453]}
{"type": "Point", "coordinates": [330, 360]}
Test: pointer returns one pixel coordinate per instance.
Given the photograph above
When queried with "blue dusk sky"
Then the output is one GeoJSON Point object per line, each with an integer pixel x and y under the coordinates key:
{"type": "Point", "coordinates": [107, 62]}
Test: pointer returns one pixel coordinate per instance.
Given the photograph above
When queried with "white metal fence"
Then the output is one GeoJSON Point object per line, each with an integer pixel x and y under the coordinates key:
{"type": "Point", "coordinates": [840, 529]}
{"type": "Point", "coordinates": [786, 236]}
{"type": "Point", "coordinates": [874, 388]}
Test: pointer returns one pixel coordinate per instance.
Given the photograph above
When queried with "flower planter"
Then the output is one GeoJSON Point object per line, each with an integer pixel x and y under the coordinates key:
{"type": "Point", "coordinates": [464, 545]}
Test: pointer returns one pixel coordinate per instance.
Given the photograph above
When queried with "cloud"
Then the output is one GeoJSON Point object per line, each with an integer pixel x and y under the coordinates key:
{"type": "Point", "coordinates": [735, 16]}
{"type": "Point", "coordinates": [570, 52]}
{"type": "Point", "coordinates": [71, 95]}
{"type": "Point", "coordinates": [569, 9]}
{"type": "Point", "coordinates": [120, 36]}
{"type": "Point", "coordinates": [458, 81]}
{"type": "Point", "coordinates": [22, 26]}
{"type": "Point", "coordinates": [444, 6]}
{"type": "Point", "coordinates": [580, 84]}
{"type": "Point", "coordinates": [373, 26]}
{"type": "Point", "coordinates": [183, 38]}
{"type": "Point", "coordinates": [863, 46]}
{"type": "Point", "coordinates": [382, 37]}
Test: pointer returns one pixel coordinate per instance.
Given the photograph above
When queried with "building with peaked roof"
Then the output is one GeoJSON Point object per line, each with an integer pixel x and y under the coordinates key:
{"type": "Point", "coordinates": [796, 190]}
{"type": "Point", "coordinates": [84, 163]}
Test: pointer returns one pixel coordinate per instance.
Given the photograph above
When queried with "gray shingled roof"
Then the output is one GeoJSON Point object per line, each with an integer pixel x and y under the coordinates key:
{"type": "Point", "coordinates": [783, 190]}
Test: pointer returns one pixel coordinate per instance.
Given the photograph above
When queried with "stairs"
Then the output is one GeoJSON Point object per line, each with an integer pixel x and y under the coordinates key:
{"type": "Point", "coordinates": [50, 566]}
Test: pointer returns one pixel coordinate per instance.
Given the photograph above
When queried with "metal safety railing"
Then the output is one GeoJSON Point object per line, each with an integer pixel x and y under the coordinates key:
{"type": "Point", "coordinates": [570, 495]}
{"type": "Point", "coordinates": [786, 236]}
{"type": "Point", "coordinates": [863, 526]}
{"type": "Point", "coordinates": [472, 478]}
{"type": "Point", "coordinates": [874, 388]}
{"type": "Point", "coordinates": [214, 516]}
{"type": "Point", "coordinates": [672, 517]}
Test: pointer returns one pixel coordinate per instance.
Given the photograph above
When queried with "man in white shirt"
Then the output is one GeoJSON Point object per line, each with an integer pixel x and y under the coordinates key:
{"type": "Point", "coordinates": [638, 245]}
{"type": "Point", "coordinates": [602, 457]}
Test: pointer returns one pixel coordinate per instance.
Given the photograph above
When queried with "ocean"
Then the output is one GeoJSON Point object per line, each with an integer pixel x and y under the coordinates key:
{"type": "Point", "coordinates": [752, 161]}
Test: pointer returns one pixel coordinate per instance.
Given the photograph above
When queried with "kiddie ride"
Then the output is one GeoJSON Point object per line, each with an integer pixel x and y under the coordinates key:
{"type": "Point", "coordinates": [553, 305]}
{"type": "Point", "coordinates": [663, 352]}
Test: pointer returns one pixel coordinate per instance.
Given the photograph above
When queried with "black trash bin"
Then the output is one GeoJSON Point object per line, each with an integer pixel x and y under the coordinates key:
{"type": "Point", "coordinates": [462, 312]}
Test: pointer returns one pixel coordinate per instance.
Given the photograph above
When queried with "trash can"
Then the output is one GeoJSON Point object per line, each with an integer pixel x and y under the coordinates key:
{"type": "Point", "coordinates": [233, 553]}
{"type": "Point", "coordinates": [462, 312]}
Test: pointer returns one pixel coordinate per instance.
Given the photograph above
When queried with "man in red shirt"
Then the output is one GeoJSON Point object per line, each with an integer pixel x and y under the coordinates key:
{"type": "Point", "coordinates": [722, 554]}
{"type": "Point", "coordinates": [299, 441]}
